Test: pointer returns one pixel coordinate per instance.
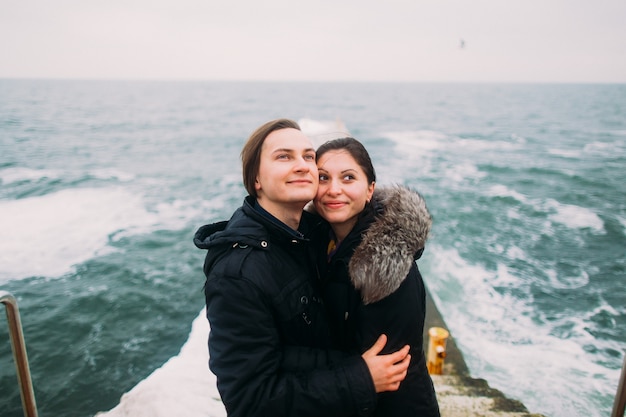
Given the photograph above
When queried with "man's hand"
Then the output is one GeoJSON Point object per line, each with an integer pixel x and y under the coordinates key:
{"type": "Point", "coordinates": [387, 370]}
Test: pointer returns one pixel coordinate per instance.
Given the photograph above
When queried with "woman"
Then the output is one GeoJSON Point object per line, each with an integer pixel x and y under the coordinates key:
{"type": "Point", "coordinates": [371, 282]}
{"type": "Point", "coordinates": [262, 295]}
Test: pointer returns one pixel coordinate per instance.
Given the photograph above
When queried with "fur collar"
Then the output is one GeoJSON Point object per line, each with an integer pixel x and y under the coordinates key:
{"type": "Point", "coordinates": [387, 251]}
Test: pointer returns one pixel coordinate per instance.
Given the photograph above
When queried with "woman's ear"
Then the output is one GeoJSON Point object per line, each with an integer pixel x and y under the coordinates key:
{"type": "Point", "coordinates": [370, 190]}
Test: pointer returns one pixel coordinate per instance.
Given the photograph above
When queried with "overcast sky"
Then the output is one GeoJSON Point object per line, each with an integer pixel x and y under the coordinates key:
{"type": "Point", "coordinates": [326, 40]}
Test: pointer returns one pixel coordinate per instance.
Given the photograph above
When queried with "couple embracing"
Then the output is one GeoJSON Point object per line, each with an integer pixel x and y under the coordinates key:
{"type": "Point", "coordinates": [317, 311]}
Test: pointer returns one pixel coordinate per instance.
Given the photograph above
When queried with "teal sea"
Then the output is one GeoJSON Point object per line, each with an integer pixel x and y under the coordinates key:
{"type": "Point", "coordinates": [102, 184]}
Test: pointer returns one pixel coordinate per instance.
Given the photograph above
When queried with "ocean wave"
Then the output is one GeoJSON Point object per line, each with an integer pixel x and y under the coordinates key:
{"type": "Point", "coordinates": [566, 153]}
{"type": "Point", "coordinates": [569, 215]}
{"type": "Point", "coordinates": [622, 221]}
{"type": "Point", "coordinates": [319, 131]}
{"type": "Point", "coordinates": [51, 233]}
{"type": "Point", "coordinates": [47, 235]}
{"type": "Point", "coordinates": [419, 140]}
{"type": "Point", "coordinates": [428, 140]}
{"type": "Point", "coordinates": [19, 174]}
{"type": "Point", "coordinates": [601, 148]}
{"type": "Point", "coordinates": [574, 217]}
{"type": "Point", "coordinates": [516, 253]}
{"type": "Point", "coordinates": [504, 341]}
{"type": "Point", "coordinates": [500, 190]}
{"type": "Point", "coordinates": [480, 145]}
{"type": "Point", "coordinates": [462, 172]}
{"type": "Point", "coordinates": [182, 386]}
{"type": "Point", "coordinates": [565, 281]}
{"type": "Point", "coordinates": [595, 148]}
{"type": "Point", "coordinates": [111, 174]}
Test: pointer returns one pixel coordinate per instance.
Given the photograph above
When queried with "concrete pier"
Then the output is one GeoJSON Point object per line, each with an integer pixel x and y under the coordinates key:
{"type": "Point", "coordinates": [459, 394]}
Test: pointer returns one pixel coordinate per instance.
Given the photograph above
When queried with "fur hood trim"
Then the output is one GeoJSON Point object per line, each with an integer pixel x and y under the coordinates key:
{"type": "Point", "coordinates": [387, 251]}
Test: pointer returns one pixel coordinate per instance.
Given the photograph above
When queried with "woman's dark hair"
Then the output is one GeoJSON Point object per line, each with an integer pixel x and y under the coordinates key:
{"type": "Point", "coordinates": [355, 149]}
{"type": "Point", "coordinates": [251, 152]}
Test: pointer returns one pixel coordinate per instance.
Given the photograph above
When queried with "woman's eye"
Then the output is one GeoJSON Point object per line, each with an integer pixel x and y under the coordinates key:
{"type": "Point", "coordinates": [282, 156]}
{"type": "Point", "coordinates": [348, 177]}
{"type": "Point", "coordinates": [323, 177]}
{"type": "Point", "coordinates": [309, 157]}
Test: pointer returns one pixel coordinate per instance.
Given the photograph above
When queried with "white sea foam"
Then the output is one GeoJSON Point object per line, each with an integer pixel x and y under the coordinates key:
{"type": "Point", "coordinates": [513, 213]}
{"type": "Point", "coordinates": [572, 216]}
{"type": "Point", "coordinates": [413, 154]}
{"type": "Point", "coordinates": [423, 144]}
{"type": "Point", "coordinates": [47, 235]}
{"type": "Point", "coordinates": [479, 145]}
{"type": "Point", "coordinates": [183, 386]}
{"type": "Point", "coordinates": [599, 148]}
{"type": "Point", "coordinates": [622, 221]}
{"type": "Point", "coordinates": [17, 174]}
{"type": "Point", "coordinates": [569, 282]}
{"type": "Point", "coordinates": [432, 140]}
{"type": "Point", "coordinates": [319, 131]}
{"type": "Point", "coordinates": [575, 217]}
{"type": "Point", "coordinates": [593, 148]}
{"type": "Point", "coordinates": [566, 153]}
{"type": "Point", "coordinates": [461, 172]}
{"type": "Point", "coordinates": [500, 190]}
{"type": "Point", "coordinates": [112, 174]}
{"type": "Point", "coordinates": [504, 277]}
{"type": "Point", "coordinates": [504, 344]}
{"type": "Point", "coordinates": [515, 252]}
{"type": "Point", "coordinates": [418, 141]}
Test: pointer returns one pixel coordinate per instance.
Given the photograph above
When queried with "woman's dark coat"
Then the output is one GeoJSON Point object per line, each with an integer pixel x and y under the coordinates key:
{"type": "Point", "coordinates": [262, 296]}
{"type": "Point", "coordinates": [373, 286]}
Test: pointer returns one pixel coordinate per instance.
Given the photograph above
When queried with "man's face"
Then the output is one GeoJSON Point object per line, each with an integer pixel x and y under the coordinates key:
{"type": "Point", "coordinates": [287, 173]}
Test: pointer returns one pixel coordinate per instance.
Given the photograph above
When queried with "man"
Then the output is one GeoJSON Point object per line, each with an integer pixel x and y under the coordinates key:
{"type": "Point", "coordinates": [262, 299]}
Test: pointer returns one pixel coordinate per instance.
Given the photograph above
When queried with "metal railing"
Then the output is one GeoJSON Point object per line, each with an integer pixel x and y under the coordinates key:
{"type": "Point", "coordinates": [19, 354]}
{"type": "Point", "coordinates": [620, 398]}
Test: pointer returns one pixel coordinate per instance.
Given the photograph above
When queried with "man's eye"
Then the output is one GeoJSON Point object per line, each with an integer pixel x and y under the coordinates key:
{"type": "Point", "coordinates": [309, 157]}
{"type": "Point", "coordinates": [282, 156]}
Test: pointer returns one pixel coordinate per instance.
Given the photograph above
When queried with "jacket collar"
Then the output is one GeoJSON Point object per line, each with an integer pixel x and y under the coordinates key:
{"type": "Point", "coordinates": [273, 220]}
{"type": "Point", "coordinates": [250, 226]}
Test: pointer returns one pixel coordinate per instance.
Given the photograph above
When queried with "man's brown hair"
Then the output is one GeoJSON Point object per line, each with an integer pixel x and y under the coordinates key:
{"type": "Point", "coordinates": [251, 152]}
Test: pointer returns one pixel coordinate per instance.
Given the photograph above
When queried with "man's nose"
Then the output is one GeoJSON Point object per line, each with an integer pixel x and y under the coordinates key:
{"type": "Point", "coordinates": [302, 165]}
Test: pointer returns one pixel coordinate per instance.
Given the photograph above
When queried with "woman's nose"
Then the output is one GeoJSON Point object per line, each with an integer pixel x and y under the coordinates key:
{"type": "Point", "coordinates": [334, 187]}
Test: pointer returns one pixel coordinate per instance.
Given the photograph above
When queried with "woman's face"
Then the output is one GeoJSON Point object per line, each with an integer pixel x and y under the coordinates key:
{"type": "Point", "coordinates": [343, 190]}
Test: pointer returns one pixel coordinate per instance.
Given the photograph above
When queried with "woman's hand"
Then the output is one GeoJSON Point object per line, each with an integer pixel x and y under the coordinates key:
{"type": "Point", "coordinates": [387, 370]}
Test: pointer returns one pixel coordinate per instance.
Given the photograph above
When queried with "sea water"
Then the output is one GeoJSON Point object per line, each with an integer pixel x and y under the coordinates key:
{"type": "Point", "coordinates": [103, 183]}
